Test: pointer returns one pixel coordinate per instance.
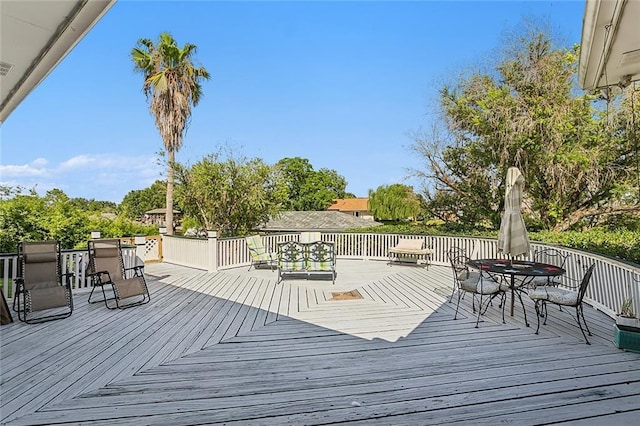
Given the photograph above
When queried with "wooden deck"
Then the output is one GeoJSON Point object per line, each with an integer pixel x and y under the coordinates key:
{"type": "Point", "coordinates": [236, 348]}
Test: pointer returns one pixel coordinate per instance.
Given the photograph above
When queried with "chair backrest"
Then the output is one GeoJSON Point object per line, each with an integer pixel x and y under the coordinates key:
{"type": "Point", "coordinates": [255, 245]}
{"type": "Point", "coordinates": [454, 253]}
{"type": "Point", "coordinates": [321, 256]}
{"type": "Point", "coordinates": [551, 256]}
{"type": "Point", "coordinates": [39, 264]}
{"type": "Point", "coordinates": [106, 255]}
{"type": "Point", "coordinates": [460, 268]}
{"type": "Point", "coordinates": [291, 256]}
{"type": "Point", "coordinates": [585, 283]}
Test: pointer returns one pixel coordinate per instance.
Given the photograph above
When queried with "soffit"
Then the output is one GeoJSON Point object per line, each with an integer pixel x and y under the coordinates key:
{"type": "Point", "coordinates": [610, 43]}
{"type": "Point", "coordinates": [34, 37]}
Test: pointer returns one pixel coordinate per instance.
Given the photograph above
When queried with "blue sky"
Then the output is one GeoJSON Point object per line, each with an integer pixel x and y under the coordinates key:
{"type": "Point", "coordinates": [342, 84]}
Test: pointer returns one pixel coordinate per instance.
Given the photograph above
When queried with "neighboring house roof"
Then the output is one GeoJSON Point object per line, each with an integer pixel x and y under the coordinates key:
{"type": "Point", "coordinates": [161, 211]}
{"type": "Point", "coordinates": [350, 205]}
{"type": "Point", "coordinates": [328, 221]}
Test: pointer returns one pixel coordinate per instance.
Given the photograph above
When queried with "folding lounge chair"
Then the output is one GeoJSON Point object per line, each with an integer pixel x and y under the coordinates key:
{"type": "Point", "coordinates": [128, 286]}
{"type": "Point", "coordinates": [259, 255]}
{"type": "Point", "coordinates": [43, 293]}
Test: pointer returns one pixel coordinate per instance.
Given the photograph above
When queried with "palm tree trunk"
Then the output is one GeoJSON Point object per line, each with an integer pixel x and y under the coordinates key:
{"type": "Point", "coordinates": [169, 210]}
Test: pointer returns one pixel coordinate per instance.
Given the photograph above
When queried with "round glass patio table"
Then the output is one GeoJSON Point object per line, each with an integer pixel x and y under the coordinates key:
{"type": "Point", "coordinates": [517, 268]}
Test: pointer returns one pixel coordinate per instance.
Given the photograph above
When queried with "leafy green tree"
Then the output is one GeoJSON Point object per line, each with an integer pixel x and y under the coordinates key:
{"type": "Point", "coordinates": [29, 217]}
{"type": "Point", "coordinates": [21, 219]}
{"type": "Point", "coordinates": [63, 220]}
{"type": "Point", "coordinates": [394, 202]}
{"type": "Point", "coordinates": [173, 85]}
{"type": "Point", "coordinates": [233, 196]}
{"type": "Point", "coordinates": [93, 205]}
{"type": "Point", "coordinates": [137, 202]}
{"type": "Point", "coordinates": [528, 114]}
{"type": "Point", "coordinates": [117, 227]}
{"type": "Point", "coordinates": [310, 190]}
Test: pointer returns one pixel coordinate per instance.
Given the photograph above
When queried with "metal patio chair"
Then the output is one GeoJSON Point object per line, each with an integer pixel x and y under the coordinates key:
{"type": "Point", "coordinates": [551, 256]}
{"type": "Point", "coordinates": [480, 284]}
{"type": "Point", "coordinates": [563, 297]}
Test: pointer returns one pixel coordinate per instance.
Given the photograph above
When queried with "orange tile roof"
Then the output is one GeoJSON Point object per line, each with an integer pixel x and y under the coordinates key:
{"type": "Point", "coordinates": [349, 204]}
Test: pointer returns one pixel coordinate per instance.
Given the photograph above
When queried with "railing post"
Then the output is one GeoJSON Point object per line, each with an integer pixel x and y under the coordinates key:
{"type": "Point", "coordinates": [212, 237]}
{"type": "Point", "coordinates": [140, 241]}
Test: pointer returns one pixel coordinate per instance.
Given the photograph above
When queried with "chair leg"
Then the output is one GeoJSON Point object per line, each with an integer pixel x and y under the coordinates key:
{"type": "Point", "coordinates": [455, 316]}
{"type": "Point", "coordinates": [579, 314]}
{"type": "Point", "coordinates": [91, 294]}
{"type": "Point", "coordinates": [524, 311]}
{"type": "Point", "coordinates": [16, 297]}
{"type": "Point", "coordinates": [584, 320]}
{"type": "Point", "coordinates": [453, 291]}
{"type": "Point", "coordinates": [480, 310]}
{"type": "Point", "coordinates": [545, 312]}
{"type": "Point", "coordinates": [538, 314]}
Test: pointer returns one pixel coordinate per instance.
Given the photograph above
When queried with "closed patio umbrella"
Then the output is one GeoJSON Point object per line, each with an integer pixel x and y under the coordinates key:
{"type": "Point", "coordinates": [512, 238]}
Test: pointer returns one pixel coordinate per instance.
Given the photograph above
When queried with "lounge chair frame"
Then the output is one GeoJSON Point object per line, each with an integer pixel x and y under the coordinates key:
{"type": "Point", "coordinates": [41, 286]}
{"type": "Point", "coordinates": [127, 285]}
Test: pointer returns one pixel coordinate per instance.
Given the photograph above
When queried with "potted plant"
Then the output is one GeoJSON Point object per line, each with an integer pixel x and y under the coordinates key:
{"type": "Point", "coordinates": [627, 328]}
{"type": "Point", "coordinates": [627, 317]}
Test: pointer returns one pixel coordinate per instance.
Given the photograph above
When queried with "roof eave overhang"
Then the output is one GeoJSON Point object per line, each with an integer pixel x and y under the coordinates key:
{"type": "Point", "coordinates": [608, 31]}
{"type": "Point", "coordinates": [69, 32]}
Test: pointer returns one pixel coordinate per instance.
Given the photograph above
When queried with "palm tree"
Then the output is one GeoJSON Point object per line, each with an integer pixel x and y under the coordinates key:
{"type": "Point", "coordinates": [172, 84]}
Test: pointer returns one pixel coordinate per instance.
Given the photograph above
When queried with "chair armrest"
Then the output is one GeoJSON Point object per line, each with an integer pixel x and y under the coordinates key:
{"type": "Point", "coordinates": [67, 277]}
{"type": "Point", "coordinates": [135, 268]}
{"type": "Point", "coordinates": [138, 270]}
{"type": "Point", "coordinates": [97, 276]}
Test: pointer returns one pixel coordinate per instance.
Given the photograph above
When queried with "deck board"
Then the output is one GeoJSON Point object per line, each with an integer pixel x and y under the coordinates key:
{"type": "Point", "coordinates": [235, 347]}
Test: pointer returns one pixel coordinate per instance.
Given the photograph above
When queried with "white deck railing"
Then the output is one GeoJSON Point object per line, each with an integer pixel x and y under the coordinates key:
{"type": "Point", "coordinates": [611, 283]}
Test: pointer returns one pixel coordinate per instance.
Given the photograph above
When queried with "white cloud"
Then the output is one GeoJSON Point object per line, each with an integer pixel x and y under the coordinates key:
{"type": "Point", "coordinates": [100, 176]}
{"type": "Point", "coordinates": [35, 168]}
{"type": "Point", "coordinates": [79, 161]}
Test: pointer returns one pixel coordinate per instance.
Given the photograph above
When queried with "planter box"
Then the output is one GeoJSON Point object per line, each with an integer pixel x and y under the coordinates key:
{"type": "Point", "coordinates": [627, 338]}
{"type": "Point", "coordinates": [628, 322]}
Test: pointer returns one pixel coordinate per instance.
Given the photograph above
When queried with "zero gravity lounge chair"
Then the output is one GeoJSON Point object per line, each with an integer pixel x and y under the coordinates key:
{"type": "Point", "coordinates": [126, 286]}
{"type": "Point", "coordinates": [43, 293]}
